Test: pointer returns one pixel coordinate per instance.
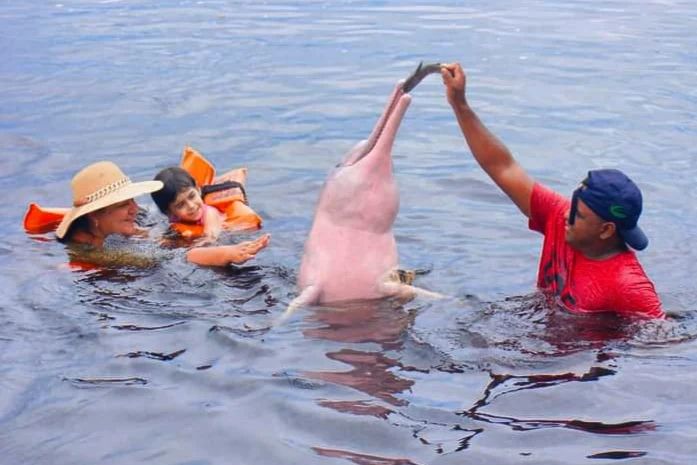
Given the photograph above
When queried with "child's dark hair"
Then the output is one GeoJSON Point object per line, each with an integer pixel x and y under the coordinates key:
{"type": "Point", "coordinates": [175, 180]}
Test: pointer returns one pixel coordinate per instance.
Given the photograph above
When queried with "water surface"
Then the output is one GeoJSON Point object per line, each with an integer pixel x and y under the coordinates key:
{"type": "Point", "coordinates": [176, 365]}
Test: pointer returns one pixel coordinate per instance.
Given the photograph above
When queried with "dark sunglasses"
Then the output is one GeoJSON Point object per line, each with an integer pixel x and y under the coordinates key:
{"type": "Point", "coordinates": [574, 201]}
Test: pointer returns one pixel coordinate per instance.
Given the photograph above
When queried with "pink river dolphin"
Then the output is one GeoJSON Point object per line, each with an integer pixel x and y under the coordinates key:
{"type": "Point", "coordinates": [351, 252]}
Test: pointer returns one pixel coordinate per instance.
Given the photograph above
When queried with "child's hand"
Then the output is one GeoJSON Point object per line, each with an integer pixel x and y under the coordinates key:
{"type": "Point", "coordinates": [240, 253]}
{"type": "Point", "coordinates": [223, 255]}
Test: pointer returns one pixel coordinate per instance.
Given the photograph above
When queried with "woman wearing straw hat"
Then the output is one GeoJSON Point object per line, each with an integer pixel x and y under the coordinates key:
{"type": "Point", "coordinates": [103, 205]}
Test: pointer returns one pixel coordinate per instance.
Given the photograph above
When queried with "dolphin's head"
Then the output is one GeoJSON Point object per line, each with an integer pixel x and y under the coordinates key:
{"type": "Point", "coordinates": [361, 192]}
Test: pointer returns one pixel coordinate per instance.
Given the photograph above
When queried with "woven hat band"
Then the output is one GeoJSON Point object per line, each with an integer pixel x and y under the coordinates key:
{"type": "Point", "coordinates": [102, 192]}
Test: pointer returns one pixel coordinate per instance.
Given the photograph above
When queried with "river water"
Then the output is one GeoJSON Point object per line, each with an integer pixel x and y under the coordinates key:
{"type": "Point", "coordinates": [177, 365]}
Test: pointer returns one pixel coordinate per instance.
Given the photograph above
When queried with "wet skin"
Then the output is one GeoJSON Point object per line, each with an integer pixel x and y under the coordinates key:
{"type": "Point", "coordinates": [592, 235]}
{"type": "Point", "coordinates": [187, 206]}
{"type": "Point", "coordinates": [119, 218]}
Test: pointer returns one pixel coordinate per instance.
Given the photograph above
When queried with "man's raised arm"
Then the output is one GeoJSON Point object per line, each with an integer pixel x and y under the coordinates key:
{"type": "Point", "coordinates": [491, 154]}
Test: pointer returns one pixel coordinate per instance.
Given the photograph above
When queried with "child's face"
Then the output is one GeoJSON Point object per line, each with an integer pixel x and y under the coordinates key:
{"type": "Point", "coordinates": [187, 206]}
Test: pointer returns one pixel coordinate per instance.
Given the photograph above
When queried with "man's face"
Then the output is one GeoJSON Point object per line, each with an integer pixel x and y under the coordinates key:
{"type": "Point", "coordinates": [586, 229]}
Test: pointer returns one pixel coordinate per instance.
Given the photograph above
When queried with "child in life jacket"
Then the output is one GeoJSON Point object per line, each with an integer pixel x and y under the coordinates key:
{"type": "Point", "coordinates": [189, 215]}
{"type": "Point", "coordinates": [181, 200]}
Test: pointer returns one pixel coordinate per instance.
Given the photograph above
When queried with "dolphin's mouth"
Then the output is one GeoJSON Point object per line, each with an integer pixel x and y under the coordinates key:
{"type": "Point", "coordinates": [377, 132]}
{"type": "Point", "coordinates": [403, 87]}
{"type": "Point", "coordinates": [361, 151]}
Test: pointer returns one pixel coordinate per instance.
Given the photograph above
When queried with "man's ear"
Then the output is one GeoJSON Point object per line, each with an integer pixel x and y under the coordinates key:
{"type": "Point", "coordinates": [607, 230]}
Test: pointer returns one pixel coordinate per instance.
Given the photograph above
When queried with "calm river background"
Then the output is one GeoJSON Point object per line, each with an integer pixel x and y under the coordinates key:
{"type": "Point", "coordinates": [176, 365]}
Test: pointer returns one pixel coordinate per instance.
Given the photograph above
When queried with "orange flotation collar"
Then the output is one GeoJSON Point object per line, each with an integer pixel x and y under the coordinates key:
{"type": "Point", "coordinates": [40, 220]}
{"type": "Point", "coordinates": [232, 202]}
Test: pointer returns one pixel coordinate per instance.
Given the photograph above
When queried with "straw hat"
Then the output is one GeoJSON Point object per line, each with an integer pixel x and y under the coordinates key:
{"type": "Point", "coordinates": [99, 185]}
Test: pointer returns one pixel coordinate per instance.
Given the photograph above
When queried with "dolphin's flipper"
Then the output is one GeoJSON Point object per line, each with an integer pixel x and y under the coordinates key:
{"type": "Point", "coordinates": [308, 296]}
{"type": "Point", "coordinates": [407, 291]}
{"type": "Point", "coordinates": [424, 292]}
{"type": "Point", "coordinates": [398, 283]}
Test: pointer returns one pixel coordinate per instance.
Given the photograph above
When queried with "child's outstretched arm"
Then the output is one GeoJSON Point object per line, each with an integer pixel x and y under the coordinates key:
{"type": "Point", "coordinates": [224, 255]}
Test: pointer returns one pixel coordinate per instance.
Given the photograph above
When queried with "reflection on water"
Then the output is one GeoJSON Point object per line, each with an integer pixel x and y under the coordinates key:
{"type": "Point", "coordinates": [504, 385]}
{"type": "Point", "coordinates": [383, 322]}
{"type": "Point", "coordinates": [373, 372]}
{"type": "Point", "coordinates": [361, 459]}
{"type": "Point", "coordinates": [102, 382]}
{"type": "Point", "coordinates": [370, 375]}
{"type": "Point", "coordinates": [175, 364]}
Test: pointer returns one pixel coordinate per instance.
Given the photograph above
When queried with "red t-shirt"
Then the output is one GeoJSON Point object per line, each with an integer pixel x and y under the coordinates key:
{"type": "Point", "coordinates": [582, 285]}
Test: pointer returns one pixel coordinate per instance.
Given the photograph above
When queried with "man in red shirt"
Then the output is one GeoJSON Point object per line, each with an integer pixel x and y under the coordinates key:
{"type": "Point", "coordinates": [586, 264]}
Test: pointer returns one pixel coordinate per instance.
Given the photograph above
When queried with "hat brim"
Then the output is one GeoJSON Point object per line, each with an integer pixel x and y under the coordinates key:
{"type": "Point", "coordinates": [128, 191]}
{"type": "Point", "coordinates": [635, 238]}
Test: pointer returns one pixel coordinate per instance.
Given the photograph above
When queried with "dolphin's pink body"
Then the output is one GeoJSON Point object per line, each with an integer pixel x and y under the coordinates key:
{"type": "Point", "coordinates": [351, 248]}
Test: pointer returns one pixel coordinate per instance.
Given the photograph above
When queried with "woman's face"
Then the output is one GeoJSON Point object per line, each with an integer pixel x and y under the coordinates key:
{"type": "Point", "coordinates": [187, 207]}
{"type": "Point", "coordinates": [119, 218]}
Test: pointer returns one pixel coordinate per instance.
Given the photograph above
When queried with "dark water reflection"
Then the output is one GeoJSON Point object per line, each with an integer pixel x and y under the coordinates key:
{"type": "Point", "coordinates": [179, 365]}
{"type": "Point", "coordinates": [372, 371]}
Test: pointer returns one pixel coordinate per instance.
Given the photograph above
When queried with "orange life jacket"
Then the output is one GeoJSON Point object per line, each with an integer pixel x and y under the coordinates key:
{"type": "Point", "coordinates": [232, 202]}
{"type": "Point", "coordinates": [40, 220]}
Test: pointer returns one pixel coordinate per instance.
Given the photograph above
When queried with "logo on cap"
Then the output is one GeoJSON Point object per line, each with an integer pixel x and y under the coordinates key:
{"type": "Point", "coordinates": [617, 211]}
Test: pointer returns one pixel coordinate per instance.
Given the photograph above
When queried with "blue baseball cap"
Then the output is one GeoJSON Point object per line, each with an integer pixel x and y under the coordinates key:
{"type": "Point", "coordinates": [614, 197]}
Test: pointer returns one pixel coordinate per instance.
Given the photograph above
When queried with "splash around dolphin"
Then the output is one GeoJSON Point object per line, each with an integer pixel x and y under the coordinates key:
{"type": "Point", "coordinates": [351, 252]}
